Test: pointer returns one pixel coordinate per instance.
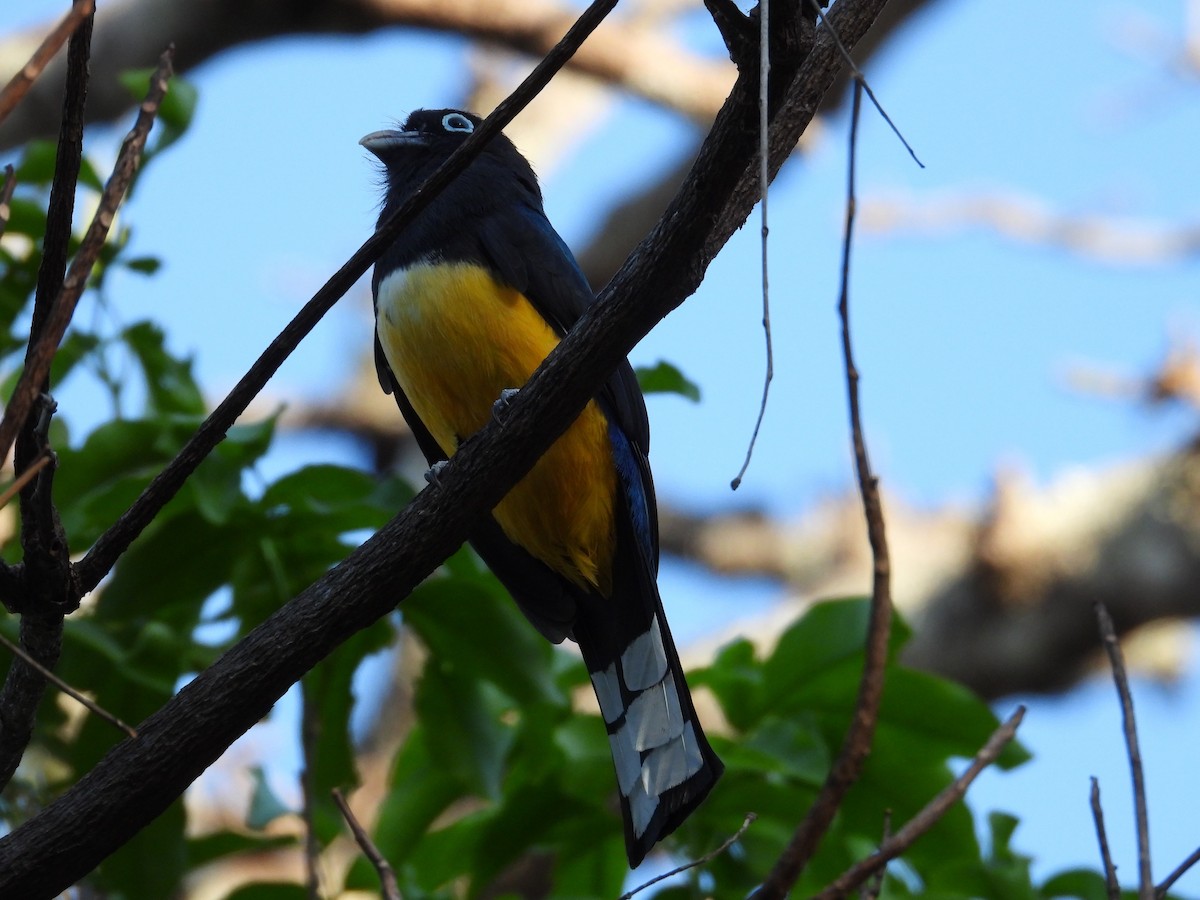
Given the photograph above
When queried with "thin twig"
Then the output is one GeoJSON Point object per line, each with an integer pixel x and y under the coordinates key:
{"type": "Point", "coordinates": [707, 857]}
{"type": "Point", "coordinates": [764, 179]}
{"type": "Point", "coordinates": [857, 743]}
{"type": "Point", "coordinates": [1161, 891]}
{"type": "Point", "coordinates": [6, 192]}
{"type": "Point", "coordinates": [861, 80]}
{"type": "Point", "coordinates": [24, 478]}
{"type": "Point", "coordinates": [19, 84]}
{"type": "Point", "coordinates": [1111, 885]}
{"type": "Point", "coordinates": [1141, 813]}
{"type": "Point", "coordinates": [929, 815]}
{"type": "Point", "coordinates": [42, 354]}
{"type": "Point", "coordinates": [92, 706]}
{"type": "Point", "coordinates": [110, 545]}
{"type": "Point", "coordinates": [874, 885]}
{"type": "Point", "coordinates": [389, 888]}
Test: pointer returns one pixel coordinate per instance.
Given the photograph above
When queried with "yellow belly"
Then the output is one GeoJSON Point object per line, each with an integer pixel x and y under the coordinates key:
{"type": "Point", "coordinates": [455, 339]}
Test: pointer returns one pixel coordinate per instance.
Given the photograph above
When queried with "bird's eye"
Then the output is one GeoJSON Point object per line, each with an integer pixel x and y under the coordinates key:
{"type": "Point", "coordinates": [457, 122]}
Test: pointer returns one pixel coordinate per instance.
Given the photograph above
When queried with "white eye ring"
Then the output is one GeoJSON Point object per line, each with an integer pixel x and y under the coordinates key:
{"type": "Point", "coordinates": [457, 122]}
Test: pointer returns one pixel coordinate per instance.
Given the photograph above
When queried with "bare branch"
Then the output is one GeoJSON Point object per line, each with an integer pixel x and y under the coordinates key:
{"type": "Point", "coordinates": [871, 889]}
{"type": "Point", "coordinates": [92, 706]}
{"type": "Point", "coordinates": [20, 83]}
{"type": "Point", "coordinates": [37, 362]}
{"type": "Point", "coordinates": [24, 478]}
{"type": "Point", "coordinates": [929, 815]}
{"type": "Point", "coordinates": [861, 81]}
{"type": "Point", "coordinates": [707, 857]}
{"type": "Point", "coordinates": [764, 72]}
{"type": "Point", "coordinates": [387, 877]}
{"type": "Point", "coordinates": [1161, 891]}
{"type": "Point", "coordinates": [857, 743]}
{"type": "Point", "coordinates": [1141, 814]}
{"type": "Point", "coordinates": [1111, 885]}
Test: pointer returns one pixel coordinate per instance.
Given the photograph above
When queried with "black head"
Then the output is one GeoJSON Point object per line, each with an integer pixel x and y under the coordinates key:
{"type": "Point", "coordinates": [412, 152]}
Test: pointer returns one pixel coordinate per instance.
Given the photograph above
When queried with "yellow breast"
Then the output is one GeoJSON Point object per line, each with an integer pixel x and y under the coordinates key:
{"type": "Point", "coordinates": [455, 338]}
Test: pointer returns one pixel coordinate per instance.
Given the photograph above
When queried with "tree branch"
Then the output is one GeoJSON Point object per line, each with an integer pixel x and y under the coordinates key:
{"type": "Point", "coordinates": [138, 779]}
{"type": "Point", "coordinates": [1112, 887]}
{"type": "Point", "coordinates": [20, 83]}
{"type": "Point", "coordinates": [387, 877]}
{"type": "Point", "coordinates": [1129, 725]}
{"type": "Point", "coordinates": [38, 592]}
{"type": "Point", "coordinates": [857, 743]}
{"type": "Point", "coordinates": [929, 815]}
{"type": "Point", "coordinates": [48, 332]}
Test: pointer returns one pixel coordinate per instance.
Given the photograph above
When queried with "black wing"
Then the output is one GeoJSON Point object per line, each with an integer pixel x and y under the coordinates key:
{"type": "Point", "coordinates": [521, 245]}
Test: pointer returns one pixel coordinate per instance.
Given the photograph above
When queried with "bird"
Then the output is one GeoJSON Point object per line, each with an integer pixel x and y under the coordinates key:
{"type": "Point", "coordinates": [469, 299]}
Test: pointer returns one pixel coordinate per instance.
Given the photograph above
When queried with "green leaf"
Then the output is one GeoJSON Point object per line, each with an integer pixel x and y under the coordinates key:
{"type": "Point", "coordinates": [462, 718]}
{"type": "Point", "coordinates": [736, 677]}
{"type": "Point", "coordinates": [37, 166]}
{"type": "Point", "coordinates": [170, 387]}
{"type": "Point", "coordinates": [215, 846]}
{"type": "Point", "coordinates": [791, 747]}
{"type": "Point", "coordinates": [146, 265]}
{"type": "Point", "coordinates": [533, 815]}
{"type": "Point", "coordinates": [334, 499]}
{"type": "Point", "coordinates": [828, 635]}
{"type": "Point", "coordinates": [942, 717]}
{"type": "Point", "coordinates": [169, 573]}
{"type": "Point", "coordinates": [597, 869]}
{"type": "Point", "coordinates": [97, 481]}
{"type": "Point", "coordinates": [420, 791]}
{"type": "Point", "coordinates": [216, 486]}
{"type": "Point", "coordinates": [664, 378]}
{"type": "Point", "coordinates": [1086, 884]}
{"type": "Point", "coordinates": [329, 701]}
{"type": "Point", "coordinates": [474, 622]}
{"type": "Point", "coordinates": [265, 805]}
{"type": "Point", "coordinates": [75, 347]}
{"type": "Point", "coordinates": [26, 217]}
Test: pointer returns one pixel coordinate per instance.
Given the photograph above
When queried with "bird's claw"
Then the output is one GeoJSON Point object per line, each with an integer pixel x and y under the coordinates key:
{"type": "Point", "coordinates": [500, 407]}
{"type": "Point", "coordinates": [434, 475]}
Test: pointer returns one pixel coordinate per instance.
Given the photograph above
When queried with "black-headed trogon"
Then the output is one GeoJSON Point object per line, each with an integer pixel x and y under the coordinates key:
{"type": "Point", "coordinates": [468, 302]}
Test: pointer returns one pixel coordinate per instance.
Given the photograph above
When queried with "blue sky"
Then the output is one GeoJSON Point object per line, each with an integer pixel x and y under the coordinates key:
{"type": "Point", "coordinates": [963, 339]}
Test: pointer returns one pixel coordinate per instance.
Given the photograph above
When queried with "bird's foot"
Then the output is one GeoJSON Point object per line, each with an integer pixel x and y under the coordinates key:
{"type": "Point", "coordinates": [434, 475]}
{"type": "Point", "coordinates": [500, 407]}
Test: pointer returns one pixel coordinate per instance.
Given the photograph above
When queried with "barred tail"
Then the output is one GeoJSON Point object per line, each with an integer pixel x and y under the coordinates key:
{"type": "Point", "coordinates": [665, 766]}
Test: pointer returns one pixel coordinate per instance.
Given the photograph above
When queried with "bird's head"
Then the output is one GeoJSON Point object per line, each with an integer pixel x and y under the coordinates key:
{"type": "Point", "coordinates": [412, 152]}
{"type": "Point", "coordinates": [425, 134]}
